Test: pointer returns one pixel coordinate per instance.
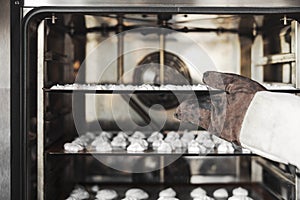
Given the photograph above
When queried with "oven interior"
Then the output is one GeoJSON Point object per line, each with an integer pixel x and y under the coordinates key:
{"type": "Point", "coordinates": [122, 48]}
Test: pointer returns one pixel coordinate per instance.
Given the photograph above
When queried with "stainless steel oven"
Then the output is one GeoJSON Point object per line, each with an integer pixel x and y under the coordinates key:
{"type": "Point", "coordinates": [81, 69]}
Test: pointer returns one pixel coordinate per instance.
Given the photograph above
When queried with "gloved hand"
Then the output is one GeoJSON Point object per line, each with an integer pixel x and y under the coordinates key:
{"type": "Point", "coordinates": [222, 113]}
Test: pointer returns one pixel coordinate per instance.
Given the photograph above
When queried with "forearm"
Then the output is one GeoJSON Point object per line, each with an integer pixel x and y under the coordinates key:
{"type": "Point", "coordinates": [271, 127]}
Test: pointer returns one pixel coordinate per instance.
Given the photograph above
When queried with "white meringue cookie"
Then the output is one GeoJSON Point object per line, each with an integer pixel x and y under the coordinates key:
{"type": "Point", "coordinates": [240, 192]}
{"type": "Point", "coordinates": [107, 194]}
{"type": "Point", "coordinates": [73, 147]}
{"type": "Point", "coordinates": [80, 193]}
{"type": "Point", "coordinates": [156, 144]}
{"type": "Point", "coordinates": [119, 142]}
{"type": "Point", "coordinates": [137, 193]}
{"type": "Point", "coordinates": [99, 140]}
{"type": "Point", "coordinates": [172, 136]}
{"type": "Point", "coordinates": [198, 192]}
{"type": "Point", "coordinates": [136, 147]}
{"type": "Point", "coordinates": [220, 193]}
{"type": "Point", "coordinates": [104, 147]}
{"type": "Point", "coordinates": [155, 136]}
{"type": "Point", "coordinates": [164, 147]}
{"type": "Point", "coordinates": [169, 192]}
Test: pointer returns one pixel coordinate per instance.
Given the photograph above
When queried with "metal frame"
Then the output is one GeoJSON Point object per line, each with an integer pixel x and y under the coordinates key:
{"type": "Point", "coordinates": [296, 51]}
{"type": "Point", "coordinates": [18, 50]}
{"type": "Point", "coordinates": [40, 111]}
{"type": "Point", "coordinates": [167, 3]}
{"type": "Point", "coordinates": [259, 60]}
{"type": "Point", "coordinates": [18, 155]}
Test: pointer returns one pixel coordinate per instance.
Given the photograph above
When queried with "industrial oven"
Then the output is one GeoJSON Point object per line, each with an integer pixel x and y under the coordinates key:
{"type": "Point", "coordinates": [92, 67]}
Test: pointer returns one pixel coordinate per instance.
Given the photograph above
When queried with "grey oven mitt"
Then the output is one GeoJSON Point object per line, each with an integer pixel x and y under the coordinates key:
{"type": "Point", "coordinates": [221, 113]}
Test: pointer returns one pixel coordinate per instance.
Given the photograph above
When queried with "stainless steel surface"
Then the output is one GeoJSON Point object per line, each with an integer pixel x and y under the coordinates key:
{"type": "Point", "coordinates": [5, 100]}
{"type": "Point", "coordinates": [4, 44]}
{"type": "Point", "coordinates": [168, 3]}
{"type": "Point", "coordinates": [40, 111]}
{"type": "Point", "coordinates": [5, 143]}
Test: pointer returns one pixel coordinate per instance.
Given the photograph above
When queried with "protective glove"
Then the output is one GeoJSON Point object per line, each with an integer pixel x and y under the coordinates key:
{"type": "Point", "coordinates": [221, 113]}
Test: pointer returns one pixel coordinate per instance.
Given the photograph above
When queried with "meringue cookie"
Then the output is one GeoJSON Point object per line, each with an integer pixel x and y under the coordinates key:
{"type": "Point", "coordinates": [208, 143]}
{"type": "Point", "coordinates": [155, 136]}
{"type": "Point", "coordinates": [240, 192]}
{"type": "Point", "coordinates": [95, 188]}
{"type": "Point", "coordinates": [198, 192]}
{"type": "Point", "coordinates": [171, 136]}
{"type": "Point", "coordinates": [99, 140]}
{"type": "Point", "coordinates": [136, 193]}
{"type": "Point", "coordinates": [221, 193]}
{"type": "Point", "coordinates": [119, 142]}
{"type": "Point", "coordinates": [104, 147]}
{"type": "Point", "coordinates": [136, 147]}
{"type": "Point", "coordinates": [73, 147]}
{"type": "Point", "coordinates": [194, 147]}
{"type": "Point", "coordinates": [106, 134]}
{"type": "Point", "coordinates": [156, 144]}
{"type": "Point", "coordinates": [80, 193]}
{"type": "Point", "coordinates": [169, 192]}
{"type": "Point", "coordinates": [164, 147]}
{"type": "Point", "coordinates": [107, 194]}
{"type": "Point", "coordinates": [225, 147]}
{"type": "Point", "coordinates": [138, 134]}
{"type": "Point", "coordinates": [122, 134]}
{"type": "Point", "coordinates": [143, 142]}
{"type": "Point", "coordinates": [177, 144]}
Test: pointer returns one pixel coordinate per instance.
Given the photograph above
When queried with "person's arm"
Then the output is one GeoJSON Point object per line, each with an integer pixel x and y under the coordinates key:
{"type": "Point", "coordinates": [246, 113]}
{"type": "Point", "coordinates": [271, 127]}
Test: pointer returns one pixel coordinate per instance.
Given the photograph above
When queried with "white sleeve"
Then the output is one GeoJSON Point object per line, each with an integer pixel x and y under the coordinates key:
{"type": "Point", "coordinates": [271, 127]}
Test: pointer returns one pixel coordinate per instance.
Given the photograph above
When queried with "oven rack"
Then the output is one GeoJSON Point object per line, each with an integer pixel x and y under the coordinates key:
{"type": "Point", "coordinates": [90, 91]}
{"type": "Point", "coordinates": [57, 149]}
{"type": "Point", "coordinates": [256, 190]}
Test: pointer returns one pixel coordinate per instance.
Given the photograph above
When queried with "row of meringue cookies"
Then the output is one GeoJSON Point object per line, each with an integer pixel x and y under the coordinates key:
{"type": "Point", "coordinates": [128, 87]}
{"type": "Point", "coordinates": [193, 141]}
{"type": "Point", "coordinates": [167, 194]}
